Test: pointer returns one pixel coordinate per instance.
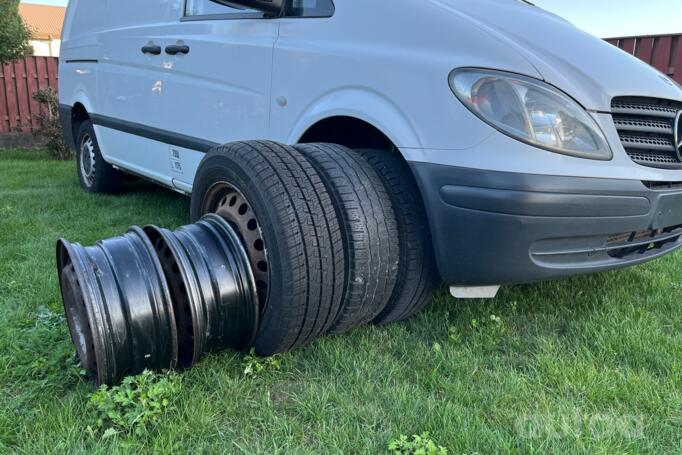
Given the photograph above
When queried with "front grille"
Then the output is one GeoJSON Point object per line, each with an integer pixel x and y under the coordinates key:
{"type": "Point", "coordinates": [645, 127]}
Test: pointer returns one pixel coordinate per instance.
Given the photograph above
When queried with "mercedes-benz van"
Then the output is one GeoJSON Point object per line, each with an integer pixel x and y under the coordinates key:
{"type": "Point", "coordinates": [368, 150]}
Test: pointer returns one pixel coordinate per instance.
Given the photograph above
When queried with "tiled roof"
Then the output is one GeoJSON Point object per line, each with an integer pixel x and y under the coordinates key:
{"type": "Point", "coordinates": [45, 22]}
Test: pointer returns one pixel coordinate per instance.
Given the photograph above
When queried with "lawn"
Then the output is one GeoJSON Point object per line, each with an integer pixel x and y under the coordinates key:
{"type": "Point", "coordinates": [591, 364]}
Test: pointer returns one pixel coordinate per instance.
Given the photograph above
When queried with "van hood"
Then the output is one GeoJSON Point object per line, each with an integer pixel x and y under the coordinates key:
{"type": "Point", "coordinates": [587, 68]}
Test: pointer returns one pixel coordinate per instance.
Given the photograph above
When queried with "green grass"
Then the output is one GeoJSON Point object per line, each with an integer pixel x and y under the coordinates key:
{"type": "Point", "coordinates": [591, 364]}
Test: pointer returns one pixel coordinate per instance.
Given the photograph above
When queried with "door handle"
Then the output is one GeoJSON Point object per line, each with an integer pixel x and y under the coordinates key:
{"type": "Point", "coordinates": [152, 49]}
{"type": "Point", "coordinates": [174, 49]}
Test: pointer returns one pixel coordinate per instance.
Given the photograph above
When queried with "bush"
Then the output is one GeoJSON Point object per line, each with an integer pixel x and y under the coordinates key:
{"type": "Point", "coordinates": [50, 126]}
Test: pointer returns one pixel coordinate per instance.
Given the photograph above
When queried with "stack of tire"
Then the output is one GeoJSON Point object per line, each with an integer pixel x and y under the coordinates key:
{"type": "Point", "coordinates": [337, 238]}
{"type": "Point", "coordinates": [334, 238]}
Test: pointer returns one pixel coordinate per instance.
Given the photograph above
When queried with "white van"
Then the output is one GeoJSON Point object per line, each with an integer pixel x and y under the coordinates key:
{"type": "Point", "coordinates": [367, 150]}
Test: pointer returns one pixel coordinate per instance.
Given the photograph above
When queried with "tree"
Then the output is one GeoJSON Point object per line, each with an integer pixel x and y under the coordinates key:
{"type": "Point", "coordinates": [14, 35]}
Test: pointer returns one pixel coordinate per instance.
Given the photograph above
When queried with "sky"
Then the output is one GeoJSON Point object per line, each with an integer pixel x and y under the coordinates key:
{"type": "Point", "coordinates": [604, 18]}
{"type": "Point", "coordinates": [615, 18]}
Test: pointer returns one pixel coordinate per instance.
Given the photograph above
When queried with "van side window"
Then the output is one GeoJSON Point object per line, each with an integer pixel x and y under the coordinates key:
{"type": "Point", "coordinates": [294, 8]}
{"type": "Point", "coordinates": [310, 8]}
{"type": "Point", "coordinates": [209, 8]}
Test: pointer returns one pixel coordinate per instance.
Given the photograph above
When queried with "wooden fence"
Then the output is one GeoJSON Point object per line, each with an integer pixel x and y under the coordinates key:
{"type": "Point", "coordinates": [664, 52]}
{"type": "Point", "coordinates": [19, 80]}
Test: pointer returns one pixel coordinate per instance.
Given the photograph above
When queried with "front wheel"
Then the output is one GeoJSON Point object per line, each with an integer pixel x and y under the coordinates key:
{"type": "Point", "coordinates": [417, 273]}
{"type": "Point", "coordinates": [368, 228]}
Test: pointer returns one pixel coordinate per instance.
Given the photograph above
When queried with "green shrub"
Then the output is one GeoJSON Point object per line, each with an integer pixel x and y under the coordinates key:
{"type": "Point", "coordinates": [50, 126]}
{"type": "Point", "coordinates": [135, 406]}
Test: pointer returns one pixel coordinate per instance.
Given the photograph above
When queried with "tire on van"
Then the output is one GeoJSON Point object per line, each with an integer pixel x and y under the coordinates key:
{"type": "Point", "coordinates": [369, 231]}
{"type": "Point", "coordinates": [279, 205]}
{"type": "Point", "coordinates": [417, 271]}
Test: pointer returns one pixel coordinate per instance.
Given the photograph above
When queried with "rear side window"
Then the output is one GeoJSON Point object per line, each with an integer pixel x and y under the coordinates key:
{"type": "Point", "coordinates": [294, 8]}
{"type": "Point", "coordinates": [210, 8]}
{"type": "Point", "coordinates": [310, 8]}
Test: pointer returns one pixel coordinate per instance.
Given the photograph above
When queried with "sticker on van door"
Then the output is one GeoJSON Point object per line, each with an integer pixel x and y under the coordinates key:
{"type": "Point", "coordinates": [175, 161]}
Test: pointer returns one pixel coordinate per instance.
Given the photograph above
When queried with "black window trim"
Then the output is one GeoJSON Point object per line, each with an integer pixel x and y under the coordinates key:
{"type": "Point", "coordinates": [245, 15]}
{"type": "Point", "coordinates": [224, 17]}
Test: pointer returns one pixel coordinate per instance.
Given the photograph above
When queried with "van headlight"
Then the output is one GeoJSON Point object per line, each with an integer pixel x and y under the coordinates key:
{"type": "Point", "coordinates": [531, 111]}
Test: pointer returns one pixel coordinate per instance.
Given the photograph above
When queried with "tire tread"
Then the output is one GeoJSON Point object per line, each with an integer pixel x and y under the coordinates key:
{"type": "Point", "coordinates": [418, 275]}
{"type": "Point", "coordinates": [370, 234]}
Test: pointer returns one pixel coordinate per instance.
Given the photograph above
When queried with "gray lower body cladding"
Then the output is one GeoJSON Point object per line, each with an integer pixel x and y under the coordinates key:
{"type": "Point", "coordinates": [492, 227]}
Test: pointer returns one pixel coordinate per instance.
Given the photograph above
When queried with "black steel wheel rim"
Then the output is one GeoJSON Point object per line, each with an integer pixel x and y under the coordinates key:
{"type": "Point", "coordinates": [81, 307]}
{"type": "Point", "coordinates": [228, 201]}
{"type": "Point", "coordinates": [190, 317]}
{"type": "Point", "coordinates": [243, 316]}
{"type": "Point", "coordinates": [212, 286]}
{"type": "Point", "coordinates": [87, 160]}
{"type": "Point", "coordinates": [118, 306]}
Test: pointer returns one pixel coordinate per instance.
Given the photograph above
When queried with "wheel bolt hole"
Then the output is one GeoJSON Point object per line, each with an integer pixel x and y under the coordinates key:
{"type": "Point", "coordinates": [233, 201]}
{"type": "Point", "coordinates": [252, 224]}
{"type": "Point", "coordinates": [262, 266]}
{"type": "Point", "coordinates": [261, 285]}
{"type": "Point", "coordinates": [243, 209]}
{"type": "Point", "coordinates": [258, 244]}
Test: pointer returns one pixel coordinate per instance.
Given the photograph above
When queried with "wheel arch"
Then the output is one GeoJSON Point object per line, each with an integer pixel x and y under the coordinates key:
{"type": "Point", "coordinates": [365, 107]}
{"type": "Point", "coordinates": [79, 114]}
{"type": "Point", "coordinates": [74, 110]}
{"type": "Point", "coordinates": [349, 131]}
{"type": "Point", "coordinates": [353, 132]}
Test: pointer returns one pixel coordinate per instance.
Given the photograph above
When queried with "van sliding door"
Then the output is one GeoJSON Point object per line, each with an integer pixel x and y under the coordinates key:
{"type": "Point", "coordinates": [132, 88]}
{"type": "Point", "coordinates": [217, 80]}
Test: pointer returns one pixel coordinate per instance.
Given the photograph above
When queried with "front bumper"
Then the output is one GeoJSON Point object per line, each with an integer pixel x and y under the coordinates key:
{"type": "Point", "coordinates": [492, 227]}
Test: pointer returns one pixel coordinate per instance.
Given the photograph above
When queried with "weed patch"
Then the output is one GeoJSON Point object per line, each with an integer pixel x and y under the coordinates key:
{"type": "Point", "coordinates": [135, 406]}
{"type": "Point", "coordinates": [420, 444]}
{"type": "Point", "coordinates": [254, 366]}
